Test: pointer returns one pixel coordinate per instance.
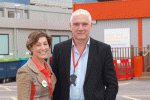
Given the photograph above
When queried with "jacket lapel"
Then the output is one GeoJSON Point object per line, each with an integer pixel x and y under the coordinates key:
{"type": "Point", "coordinates": [92, 51]}
{"type": "Point", "coordinates": [32, 66]}
{"type": "Point", "coordinates": [67, 57]}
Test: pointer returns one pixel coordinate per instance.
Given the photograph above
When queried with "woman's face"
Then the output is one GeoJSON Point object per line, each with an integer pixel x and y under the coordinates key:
{"type": "Point", "coordinates": [40, 49]}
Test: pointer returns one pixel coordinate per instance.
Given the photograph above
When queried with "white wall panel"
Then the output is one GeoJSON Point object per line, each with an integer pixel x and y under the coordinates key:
{"type": "Point", "coordinates": [97, 31]}
{"type": "Point", "coordinates": [146, 31]}
{"type": "Point", "coordinates": [55, 2]}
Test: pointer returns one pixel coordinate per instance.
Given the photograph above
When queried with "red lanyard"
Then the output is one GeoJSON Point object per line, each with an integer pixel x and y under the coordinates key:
{"type": "Point", "coordinates": [75, 65]}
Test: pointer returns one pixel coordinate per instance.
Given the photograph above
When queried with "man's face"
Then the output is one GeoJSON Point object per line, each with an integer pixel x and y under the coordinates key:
{"type": "Point", "coordinates": [81, 27]}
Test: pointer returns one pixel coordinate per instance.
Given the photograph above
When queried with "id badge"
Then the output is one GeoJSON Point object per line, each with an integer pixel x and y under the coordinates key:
{"type": "Point", "coordinates": [44, 83]}
{"type": "Point", "coordinates": [73, 80]}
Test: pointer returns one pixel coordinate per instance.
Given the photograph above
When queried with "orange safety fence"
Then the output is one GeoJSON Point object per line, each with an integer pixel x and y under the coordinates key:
{"type": "Point", "coordinates": [124, 68]}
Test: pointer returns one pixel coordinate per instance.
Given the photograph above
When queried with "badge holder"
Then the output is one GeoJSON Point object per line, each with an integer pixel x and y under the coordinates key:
{"type": "Point", "coordinates": [44, 83]}
{"type": "Point", "coordinates": [73, 79]}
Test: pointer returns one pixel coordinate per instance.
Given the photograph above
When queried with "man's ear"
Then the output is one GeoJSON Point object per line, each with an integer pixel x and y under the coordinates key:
{"type": "Point", "coordinates": [70, 25]}
{"type": "Point", "coordinates": [91, 23]}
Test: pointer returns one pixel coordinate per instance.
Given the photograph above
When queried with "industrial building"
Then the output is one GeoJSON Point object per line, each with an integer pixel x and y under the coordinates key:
{"type": "Point", "coordinates": [17, 21]}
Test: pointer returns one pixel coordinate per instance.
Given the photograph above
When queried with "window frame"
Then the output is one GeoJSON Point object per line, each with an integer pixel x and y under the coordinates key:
{"type": "Point", "coordinates": [15, 13]}
{"type": "Point", "coordinates": [59, 40]}
{"type": "Point", "coordinates": [9, 14]}
{"type": "Point", "coordinates": [8, 45]}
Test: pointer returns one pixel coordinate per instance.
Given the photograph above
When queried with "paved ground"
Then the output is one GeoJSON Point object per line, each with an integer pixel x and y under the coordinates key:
{"type": "Point", "coordinates": [134, 90]}
{"type": "Point", "coordinates": [8, 91]}
{"type": "Point", "coordinates": [128, 90]}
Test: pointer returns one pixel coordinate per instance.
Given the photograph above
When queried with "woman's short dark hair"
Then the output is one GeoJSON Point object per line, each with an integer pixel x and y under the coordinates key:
{"type": "Point", "coordinates": [34, 37]}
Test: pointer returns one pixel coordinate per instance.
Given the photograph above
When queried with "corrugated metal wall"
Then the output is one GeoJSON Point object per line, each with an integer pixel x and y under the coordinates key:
{"type": "Point", "coordinates": [146, 31]}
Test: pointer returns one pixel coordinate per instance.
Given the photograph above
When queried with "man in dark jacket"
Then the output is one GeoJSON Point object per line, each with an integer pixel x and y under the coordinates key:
{"type": "Point", "coordinates": [83, 66]}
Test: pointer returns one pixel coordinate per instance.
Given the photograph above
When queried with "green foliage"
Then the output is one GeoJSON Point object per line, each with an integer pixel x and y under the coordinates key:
{"type": "Point", "coordinates": [8, 59]}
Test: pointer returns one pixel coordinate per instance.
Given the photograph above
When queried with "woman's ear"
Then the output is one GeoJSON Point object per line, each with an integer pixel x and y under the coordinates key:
{"type": "Point", "coordinates": [30, 48]}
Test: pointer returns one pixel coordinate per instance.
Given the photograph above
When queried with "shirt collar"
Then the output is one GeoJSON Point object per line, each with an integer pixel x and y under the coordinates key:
{"type": "Point", "coordinates": [40, 67]}
{"type": "Point", "coordinates": [88, 43]}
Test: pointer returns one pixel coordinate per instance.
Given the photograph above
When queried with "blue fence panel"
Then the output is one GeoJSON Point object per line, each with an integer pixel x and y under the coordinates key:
{"type": "Point", "coordinates": [22, 62]}
{"type": "Point", "coordinates": [8, 69]}
{"type": "Point", "coordinates": [12, 67]}
{"type": "Point", "coordinates": [3, 70]}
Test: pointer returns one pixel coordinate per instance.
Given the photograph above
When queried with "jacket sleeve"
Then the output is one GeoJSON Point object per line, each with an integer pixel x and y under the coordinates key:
{"type": "Point", "coordinates": [54, 61]}
{"type": "Point", "coordinates": [110, 76]}
{"type": "Point", "coordinates": [23, 84]}
{"type": "Point", "coordinates": [55, 70]}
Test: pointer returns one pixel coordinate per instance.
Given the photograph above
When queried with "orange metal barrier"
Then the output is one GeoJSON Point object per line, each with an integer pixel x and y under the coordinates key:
{"type": "Point", "coordinates": [124, 68]}
{"type": "Point", "coordinates": [138, 66]}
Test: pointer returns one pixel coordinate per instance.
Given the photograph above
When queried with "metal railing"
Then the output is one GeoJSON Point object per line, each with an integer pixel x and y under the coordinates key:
{"type": "Point", "coordinates": [130, 52]}
{"type": "Point", "coordinates": [147, 61]}
{"type": "Point", "coordinates": [121, 52]}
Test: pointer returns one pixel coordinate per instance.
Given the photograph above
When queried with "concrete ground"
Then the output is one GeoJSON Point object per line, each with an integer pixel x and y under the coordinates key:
{"type": "Point", "coordinates": [134, 90]}
{"type": "Point", "coordinates": [128, 90]}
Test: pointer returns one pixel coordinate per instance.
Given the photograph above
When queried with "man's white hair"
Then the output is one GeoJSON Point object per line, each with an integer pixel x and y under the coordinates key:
{"type": "Point", "coordinates": [81, 11]}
